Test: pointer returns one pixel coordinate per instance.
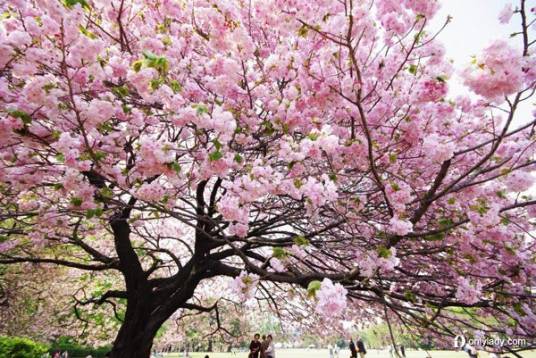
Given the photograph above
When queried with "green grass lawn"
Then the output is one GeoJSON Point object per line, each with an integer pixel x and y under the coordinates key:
{"type": "Point", "coordinates": [323, 353]}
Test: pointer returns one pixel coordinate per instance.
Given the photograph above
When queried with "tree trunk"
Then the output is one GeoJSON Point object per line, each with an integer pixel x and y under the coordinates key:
{"type": "Point", "coordinates": [209, 349]}
{"type": "Point", "coordinates": [136, 335]}
{"type": "Point", "coordinates": [132, 344]}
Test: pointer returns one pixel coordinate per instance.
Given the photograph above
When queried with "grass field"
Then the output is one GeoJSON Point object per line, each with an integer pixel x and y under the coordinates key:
{"type": "Point", "coordinates": [323, 353]}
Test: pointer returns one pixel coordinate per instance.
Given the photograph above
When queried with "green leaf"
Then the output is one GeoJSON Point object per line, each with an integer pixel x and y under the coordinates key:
{"type": "Point", "coordinates": [23, 116]}
{"type": "Point", "coordinates": [156, 83]}
{"type": "Point", "coordinates": [76, 201]}
{"type": "Point", "coordinates": [176, 167]}
{"type": "Point", "coordinates": [238, 158]}
{"type": "Point", "coordinates": [413, 69]}
{"type": "Point", "coordinates": [166, 40]}
{"type": "Point", "coordinates": [149, 56]}
{"type": "Point", "coordinates": [279, 252]}
{"type": "Point", "coordinates": [419, 36]}
{"type": "Point", "coordinates": [99, 155]}
{"type": "Point", "coordinates": [160, 63]}
{"type": "Point", "coordinates": [105, 127]}
{"type": "Point", "coordinates": [313, 136]}
{"type": "Point", "coordinates": [303, 31]}
{"type": "Point", "coordinates": [72, 3]}
{"type": "Point", "coordinates": [392, 158]}
{"type": "Point", "coordinates": [435, 237]}
{"type": "Point", "coordinates": [313, 287]}
{"type": "Point", "coordinates": [300, 241]}
{"type": "Point", "coordinates": [87, 33]}
{"type": "Point", "coordinates": [90, 213]}
{"type": "Point", "coordinates": [60, 157]}
{"type": "Point", "coordinates": [49, 87]}
{"type": "Point", "coordinates": [201, 108]}
{"type": "Point", "coordinates": [85, 156]}
{"type": "Point", "coordinates": [479, 208]}
{"type": "Point", "coordinates": [55, 134]}
{"type": "Point", "coordinates": [286, 128]}
{"type": "Point", "coordinates": [298, 183]}
{"type": "Point", "coordinates": [410, 296]}
{"type": "Point", "coordinates": [470, 258]}
{"type": "Point", "coordinates": [519, 309]}
{"type": "Point", "coordinates": [106, 192]}
{"type": "Point", "coordinates": [445, 223]}
{"type": "Point", "coordinates": [137, 65]}
{"type": "Point", "coordinates": [217, 144]}
{"type": "Point", "coordinates": [175, 86]}
{"type": "Point", "coordinates": [268, 128]}
{"type": "Point", "coordinates": [384, 252]}
{"type": "Point", "coordinates": [120, 91]}
{"type": "Point", "coordinates": [215, 156]}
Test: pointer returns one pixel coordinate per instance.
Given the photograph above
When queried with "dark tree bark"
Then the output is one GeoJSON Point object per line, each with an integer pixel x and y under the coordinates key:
{"type": "Point", "coordinates": [209, 349]}
{"type": "Point", "coordinates": [135, 337]}
{"type": "Point", "coordinates": [151, 302]}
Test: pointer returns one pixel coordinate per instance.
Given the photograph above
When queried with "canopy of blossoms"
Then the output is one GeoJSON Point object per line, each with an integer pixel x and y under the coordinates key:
{"type": "Point", "coordinates": [297, 143]}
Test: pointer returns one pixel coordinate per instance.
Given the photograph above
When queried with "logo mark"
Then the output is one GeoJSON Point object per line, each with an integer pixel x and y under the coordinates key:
{"type": "Point", "coordinates": [459, 341]}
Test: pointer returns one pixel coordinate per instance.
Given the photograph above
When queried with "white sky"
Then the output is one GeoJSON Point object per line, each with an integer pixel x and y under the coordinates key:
{"type": "Point", "coordinates": [475, 25]}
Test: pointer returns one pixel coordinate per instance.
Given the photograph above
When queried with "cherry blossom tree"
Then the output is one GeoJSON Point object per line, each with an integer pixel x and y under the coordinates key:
{"type": "Point", "coordinates": [307, 147]}
{"type": "Point", "coordinates": [36, 303]}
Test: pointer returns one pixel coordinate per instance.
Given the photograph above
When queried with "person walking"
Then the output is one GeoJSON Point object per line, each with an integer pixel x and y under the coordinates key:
{"type": "Point", "coordinates": [470, 350]}
{"type": "Point", "coordinates": [255, 346]}
{"type": "Point", "coordinates": [270, 349]}
{"type": "Point", "coordinates": [361, 347]}
{"type": "Point", "coordinates": [403, 351]}
{"type": "Point", "coordinates": [264, 345]}
{"type": "Point", "coordinates": [353, 350]}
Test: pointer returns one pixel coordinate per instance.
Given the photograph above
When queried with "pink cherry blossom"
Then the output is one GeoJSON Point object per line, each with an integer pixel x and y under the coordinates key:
{"type": "Point", "coordinates": [400, 227]}
{"type": "Point", "coordinates": [467, 292]}
{"type": "Point", "coordinates": [290, 142]}
{"type": "Point", "coordinates": [277, 265]}
{"type": "Point", "coordinates": [438, 149]}
{"type": "Point", "coordinates": [245, 285]}
{"type": "Point", "coordinates": [520, 181]}
{"type": "Point", "coordinates": [506, 14]}
{"type": "Point", "coordinates": [431, 90]}
{"type": "Point", "coordinates": [498, 71]}
{"type": "Point", "coordinates": [331, 298]}
{"type": "Point", "coordinates": [238, 229]}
